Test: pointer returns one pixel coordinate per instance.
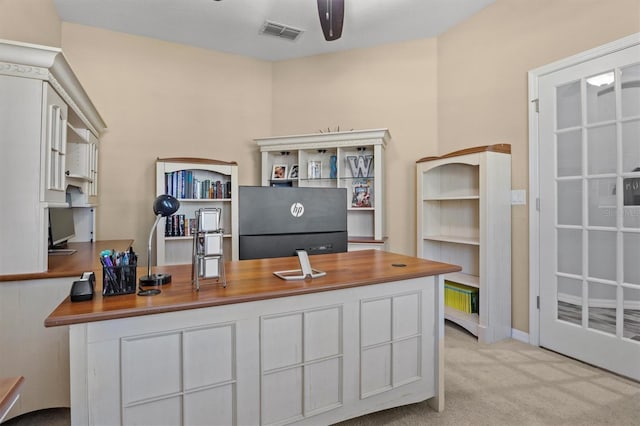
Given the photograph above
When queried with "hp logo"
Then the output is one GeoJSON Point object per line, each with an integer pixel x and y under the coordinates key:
{"type": "Point", "coordinates": [297, 209]}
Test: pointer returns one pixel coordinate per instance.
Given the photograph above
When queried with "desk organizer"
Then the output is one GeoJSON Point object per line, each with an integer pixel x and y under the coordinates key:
{"type": "Point", "coordinates": [118, 279]}
{"type": "Point", "coordinates": [207, 247]}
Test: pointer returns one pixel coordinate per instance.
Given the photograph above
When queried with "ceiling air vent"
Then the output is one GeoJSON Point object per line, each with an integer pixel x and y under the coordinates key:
{"type": "Point", "coordinates": [279, 30]}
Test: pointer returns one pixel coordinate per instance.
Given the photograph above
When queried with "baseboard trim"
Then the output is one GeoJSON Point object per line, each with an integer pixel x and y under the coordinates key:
{"type": "Point", "coordinates": [519, 335]}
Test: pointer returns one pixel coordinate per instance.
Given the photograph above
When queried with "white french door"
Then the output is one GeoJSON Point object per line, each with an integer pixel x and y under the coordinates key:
{"type": "Point", "coordinates": [589, 210]}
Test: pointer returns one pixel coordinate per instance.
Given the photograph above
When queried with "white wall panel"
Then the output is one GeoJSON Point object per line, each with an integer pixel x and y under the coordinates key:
{"type": "Point", "coordinates": [158, 413]}
{"type": "Point", "coordinates": [151, 367]}
{"type": "Point", "coordinates": [323, 386]}
{"type": "Point", "coordinates": [406, 361]}
{"type": "Point", "coordinates": [210, 407]}
{"type": "Point", "coordinates": [406, 314]}
{"type": "Point", "coordinates": [323, 333]}
{"type": "Point", "coordinates": [208, 356]}
{"type": "Point", "coordinates": [281, 341]}
{"type": "Point", "coordinates": [282, 396]}
{"type": "Point", "coordinates": [375, 370]}
{"type": "Point", "coordinates": [376, 321]}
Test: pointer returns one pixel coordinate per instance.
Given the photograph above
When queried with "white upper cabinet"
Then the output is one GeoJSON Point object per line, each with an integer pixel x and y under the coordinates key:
{"type": "Point", "coordinates": [49, 130]}
{"type": "Point", "coordinates": [353, 160]}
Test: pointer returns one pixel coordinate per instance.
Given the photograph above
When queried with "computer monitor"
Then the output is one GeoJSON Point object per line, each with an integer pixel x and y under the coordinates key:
{"type": "Point", "coordinates": [278, 221]}
{"type": "Point", "coordinates": [61, 228]}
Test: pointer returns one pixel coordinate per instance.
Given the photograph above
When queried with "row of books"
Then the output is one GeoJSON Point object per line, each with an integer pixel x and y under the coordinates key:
{"type": "Point", "coordinates": [461, 297]}
{"type": "Point", "coordinates": [182, 184]}
{"type": "Point", "coordinates": [178, 225]}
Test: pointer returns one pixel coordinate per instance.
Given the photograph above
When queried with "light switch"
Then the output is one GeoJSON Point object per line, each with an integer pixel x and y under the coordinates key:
{"type": "Point", "coordinates": [518, 197]}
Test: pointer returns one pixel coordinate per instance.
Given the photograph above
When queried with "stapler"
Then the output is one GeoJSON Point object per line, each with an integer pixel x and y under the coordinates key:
{"type": "Point", "coordinates": [83, 288]}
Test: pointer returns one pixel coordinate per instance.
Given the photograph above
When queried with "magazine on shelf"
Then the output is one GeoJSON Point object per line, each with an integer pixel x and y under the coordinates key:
{"type": "Point", "coordinates": [361, 193]}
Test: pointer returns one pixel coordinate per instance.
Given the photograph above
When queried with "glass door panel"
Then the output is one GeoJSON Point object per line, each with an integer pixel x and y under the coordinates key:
{"type": "Point", "coordinates": [601, 98]}
{"type": "Point", "coordinates": [570, 251]}
{"type": "Point", "coordinates": [602, 202]}
{"type": "Point", "coordinates": [631, 268]}
{"type": "Point", "coordinates": [569, 152]}
{"type": "Point", "coordinates": [630, 83]}
{"type": "Point", "coordinates": [570, 210]}
{"type": "Point", "coordinates": [570, 300]}
{"type": "Point", "coordinates": [631, 321]}
{"type": "Point", "coordinates": [630, 145]}
{"type": "Point", "coordinates": [569, 105]}
{"type": "Point", "coordinates": [602, 307]}
{"type": "Point", "coordinates": [602, 255]}
{"type": "Point", "coordinates": [601, 150]}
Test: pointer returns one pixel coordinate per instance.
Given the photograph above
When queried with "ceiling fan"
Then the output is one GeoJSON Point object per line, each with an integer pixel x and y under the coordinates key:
{"type": "Point", "coordinates": [331, 13]}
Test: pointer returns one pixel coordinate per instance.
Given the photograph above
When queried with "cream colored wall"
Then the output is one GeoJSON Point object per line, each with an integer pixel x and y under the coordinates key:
{"type": "Point", "coordinates": [467, 88]}
{"type": "Point", "coordinates": [392, 86]}
{"type": "Point", "coordinates": [30, 21]}
{"type": "Point", "coordinates": [482, 84]}
{"type": "Point", "coordinates": [164, 100]}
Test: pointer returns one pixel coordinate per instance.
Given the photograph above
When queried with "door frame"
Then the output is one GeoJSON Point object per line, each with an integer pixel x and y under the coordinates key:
{"type": "Point", "coordinates": [534, 187]}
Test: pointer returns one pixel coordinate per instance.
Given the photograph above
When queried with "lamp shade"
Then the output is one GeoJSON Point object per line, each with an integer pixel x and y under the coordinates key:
{"type": "Point", "coordinates": [165, 205]}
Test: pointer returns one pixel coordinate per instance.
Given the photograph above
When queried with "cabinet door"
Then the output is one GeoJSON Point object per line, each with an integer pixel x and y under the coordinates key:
{"type": "Point", "coordinates": [54, 144]}
{"type": "Point", "coordinates": [93, 165]}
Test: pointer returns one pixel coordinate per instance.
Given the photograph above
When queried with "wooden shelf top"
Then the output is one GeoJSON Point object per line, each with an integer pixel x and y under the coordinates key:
{"type": "Point", "coordinates": [86, 258]}
{"type": "Point", "coordinates": [9, 391]}
{"type": "Point", "coordinates": [248, 281]}
{"type": "Point", "coordinates": [504, 148]}
{"type": "Point", "coordinates": [196, 160]}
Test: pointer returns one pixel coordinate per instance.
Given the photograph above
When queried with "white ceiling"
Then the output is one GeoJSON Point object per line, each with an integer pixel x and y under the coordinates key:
{"type": "Point", "coordinates": [233, 25]}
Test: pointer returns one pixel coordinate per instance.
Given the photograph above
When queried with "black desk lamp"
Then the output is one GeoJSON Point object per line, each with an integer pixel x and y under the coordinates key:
{"type": "Point", "coordinates": [163, 206]}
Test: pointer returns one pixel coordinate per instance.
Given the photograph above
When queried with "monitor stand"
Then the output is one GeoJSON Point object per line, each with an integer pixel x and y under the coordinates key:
{"type": "Point", "coordinates": [305, 271]}
{"type": "Point", "coordinates": [61, 252]}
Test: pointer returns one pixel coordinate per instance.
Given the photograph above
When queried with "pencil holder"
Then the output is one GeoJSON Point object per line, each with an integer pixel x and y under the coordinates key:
{"type": "Point", "coordinates": [118, 279]}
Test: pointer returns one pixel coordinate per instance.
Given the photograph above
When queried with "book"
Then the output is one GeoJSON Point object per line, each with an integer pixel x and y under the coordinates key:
{"type": "Point", "coordinates": [361, 193]}
{"type": "Point", "coordinates": [461, 297]}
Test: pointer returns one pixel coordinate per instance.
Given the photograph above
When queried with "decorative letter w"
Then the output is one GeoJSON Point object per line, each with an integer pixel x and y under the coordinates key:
{"type": "Point", "coordinates": [360, 165]}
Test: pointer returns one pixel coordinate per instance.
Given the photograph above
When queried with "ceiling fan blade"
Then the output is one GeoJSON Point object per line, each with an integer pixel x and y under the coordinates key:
{"type": "Point", "coordinates": [331, 13]}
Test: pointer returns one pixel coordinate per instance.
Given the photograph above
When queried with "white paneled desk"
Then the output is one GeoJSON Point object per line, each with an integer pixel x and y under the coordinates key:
{"type": "Point", "coordinates": [27, 348]}
{"type": "Point", "coordinates": [366, 337]}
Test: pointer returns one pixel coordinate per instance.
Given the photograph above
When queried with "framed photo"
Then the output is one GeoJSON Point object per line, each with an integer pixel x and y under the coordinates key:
{"type": "Point", "coordinates": [279, 171]}
{"type": "Point", "coordinates": [361, 193]}
{"type": "Point", "coordinates": [293, 172]}
{"type": "Point", "coordinates": [314, 169]}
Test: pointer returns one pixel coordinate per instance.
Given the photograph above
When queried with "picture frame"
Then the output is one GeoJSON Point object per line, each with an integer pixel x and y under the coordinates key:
{"type": "Point", "coordinates": [293, 172]}
{"type": "Point", "coordinates": [314, 169]}
{"type": "Point", "coordinates": [279, 172]}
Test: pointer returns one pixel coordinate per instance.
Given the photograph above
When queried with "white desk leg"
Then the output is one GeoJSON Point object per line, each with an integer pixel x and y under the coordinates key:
{"type": "Point", "coordinates": [437, 402]}
{"type": "Point", "coordinates": [78, 374]}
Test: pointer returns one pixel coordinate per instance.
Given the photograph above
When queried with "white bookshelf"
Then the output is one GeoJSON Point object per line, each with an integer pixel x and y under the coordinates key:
{"type": "Point", "coordinates": [464, 218]}
{"type": "Point", "coordinates": [175, 250]}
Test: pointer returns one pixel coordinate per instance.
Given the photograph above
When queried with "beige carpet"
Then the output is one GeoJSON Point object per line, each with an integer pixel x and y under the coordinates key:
{"type": "Point", "coordinates": [506, 383]}
{"type": "Point", "coordinates": [513, 383]}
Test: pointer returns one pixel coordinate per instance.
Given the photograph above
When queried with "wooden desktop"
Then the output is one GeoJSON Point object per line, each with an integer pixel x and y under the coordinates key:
{"type": "Point", "coordinates": [366, 337]}
{"type": "Point", "coordinates": [9, 394]}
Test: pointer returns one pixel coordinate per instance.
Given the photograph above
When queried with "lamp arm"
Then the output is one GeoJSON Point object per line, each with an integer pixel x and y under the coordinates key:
{"type": "Point", "coordinates": [153, 228]}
